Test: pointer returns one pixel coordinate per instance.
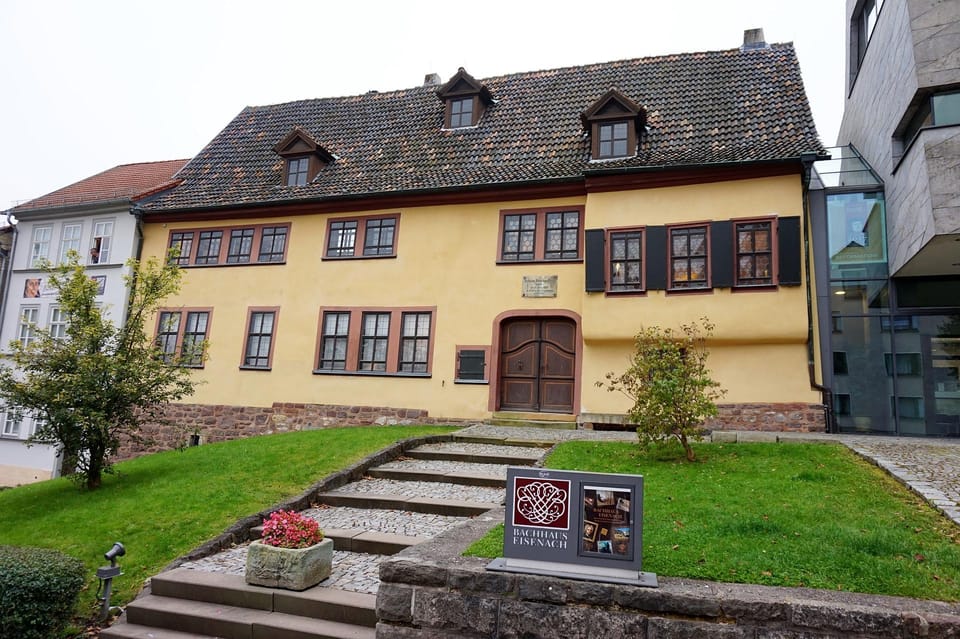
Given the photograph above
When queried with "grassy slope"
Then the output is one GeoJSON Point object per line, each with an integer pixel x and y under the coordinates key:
{"type": "Point", "coordinates": [161, 506]}
{"type": "Point", "coordinates": [793, 514]}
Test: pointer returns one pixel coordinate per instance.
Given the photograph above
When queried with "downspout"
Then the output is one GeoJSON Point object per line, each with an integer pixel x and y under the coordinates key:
{"type": "Point", "coordinates": [825, 392]}
{"type": "Point", "coordinates": [8, 271]}
{"type": "Point", "coordinates": [137, 213]}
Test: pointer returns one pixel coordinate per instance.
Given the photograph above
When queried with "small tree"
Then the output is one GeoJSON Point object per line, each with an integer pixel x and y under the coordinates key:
{"type": "Point", "coordinates": [669, 384]}
{"type": "Point", "coordinates": [99, 382]}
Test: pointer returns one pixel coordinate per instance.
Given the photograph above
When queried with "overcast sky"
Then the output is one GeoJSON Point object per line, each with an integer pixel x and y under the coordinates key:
{"type": "Point", "coordinates": [86, 86]}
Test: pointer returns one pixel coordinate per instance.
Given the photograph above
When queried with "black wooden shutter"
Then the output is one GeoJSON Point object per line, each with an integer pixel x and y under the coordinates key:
{"type": "Point", "coordinates": [721, 254]}
{"type": "Point", "coordinates": [471, 364]}
{"type": "Point", "coordinates": [656, 258]}
{"type": "Point", "coordinates": [594, 259]}
{"type": "Point", "coordinates": [790, 249]}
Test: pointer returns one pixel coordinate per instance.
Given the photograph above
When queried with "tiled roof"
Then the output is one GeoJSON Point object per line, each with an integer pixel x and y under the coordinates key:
{"type": "Point", "coordinates": [125, 181]}
{"type": "Point", "coordinates": [702, 108]}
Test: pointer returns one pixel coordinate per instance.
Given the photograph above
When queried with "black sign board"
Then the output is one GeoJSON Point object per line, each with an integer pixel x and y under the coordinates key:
{"type": "Point", "coordinates": [575, 525]}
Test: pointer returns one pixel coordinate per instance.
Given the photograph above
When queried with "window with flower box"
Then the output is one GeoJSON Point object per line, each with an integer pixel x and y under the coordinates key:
{"type": "Point", "coordinates": [376, 341]}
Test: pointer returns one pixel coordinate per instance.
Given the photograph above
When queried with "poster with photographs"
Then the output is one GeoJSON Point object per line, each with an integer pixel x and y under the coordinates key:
{"type": "Point", "coordinates": [607, 522]}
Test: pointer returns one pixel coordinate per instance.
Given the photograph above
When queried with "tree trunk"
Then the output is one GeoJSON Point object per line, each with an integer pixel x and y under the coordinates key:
{"type": "Point", "coordinates": [691, 456]}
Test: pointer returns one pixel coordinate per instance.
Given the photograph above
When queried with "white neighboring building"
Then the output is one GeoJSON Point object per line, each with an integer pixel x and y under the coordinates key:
{"type": "Point", "coordinates": [92, 217]}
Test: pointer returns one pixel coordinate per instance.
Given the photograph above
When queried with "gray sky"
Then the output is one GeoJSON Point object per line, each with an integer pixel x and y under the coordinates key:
{"type": "Point", "coordinates": [85, 86]}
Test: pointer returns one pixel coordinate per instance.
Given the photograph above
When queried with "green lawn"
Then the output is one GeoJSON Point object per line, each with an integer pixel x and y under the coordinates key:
{"type": "Point", "coordinates": [162, 506]}
{"type": "Point", "coordinates": [812, 515]}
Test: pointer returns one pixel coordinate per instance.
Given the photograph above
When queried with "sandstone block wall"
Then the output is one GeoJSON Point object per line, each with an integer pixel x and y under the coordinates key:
{"type": "Point", "coordinates": [430, 591]}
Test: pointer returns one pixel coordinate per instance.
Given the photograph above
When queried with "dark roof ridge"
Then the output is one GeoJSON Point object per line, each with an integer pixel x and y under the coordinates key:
{"type": "Point", "coordinates": [516, 74]}
{"type": "Point", "coordinates": [649, 58]}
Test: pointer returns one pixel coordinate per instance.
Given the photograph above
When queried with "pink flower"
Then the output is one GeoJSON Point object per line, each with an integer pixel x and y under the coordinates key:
{"type": "Point", "coordinates": [288, 529]}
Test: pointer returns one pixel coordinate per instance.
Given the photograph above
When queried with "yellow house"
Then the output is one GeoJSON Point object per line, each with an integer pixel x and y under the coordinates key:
{"type": "Point", "coordinates": [477, 248]}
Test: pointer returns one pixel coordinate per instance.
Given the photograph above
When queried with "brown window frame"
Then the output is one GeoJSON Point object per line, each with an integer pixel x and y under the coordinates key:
{"type": "Point", "coordinates": [612, 125]}
{"type": "Point", "coordinates": [773, 280]}
{"type": "Point", "coordinates": [451, 115]}
{"type": "Point", "coordinates": [354, 339]}
{"type": "Point", "coordinates": [184, 313]}
{"type": "Point", "coordinates": [358, 252]}
{"type": "Point", "coordinates": [191, 238]}
{"type": "Point", "coordinates": [640, 288]}
{"type": "Point", "coordinates": [244, 356]}
{"type": "Point", "coordinates": [297, 171]}
{"type": "Point", "coordinates": [540, 235]}
{"type": "Point", "coordinates": [671, 283]}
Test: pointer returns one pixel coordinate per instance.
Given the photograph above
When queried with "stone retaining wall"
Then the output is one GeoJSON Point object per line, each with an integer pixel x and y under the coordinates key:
{"type": "Point", "coordinates": [786, 417]}
{"type": "Point", "coordinates": [218, 422]}
{"type": "Point", "coordinates": [429, 591]}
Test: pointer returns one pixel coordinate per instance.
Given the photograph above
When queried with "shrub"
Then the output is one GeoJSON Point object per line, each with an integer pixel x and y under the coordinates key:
{"type": "Point", "coordinates": [669, 383]}
{"type": "Point", "coordinates": [38, 591]}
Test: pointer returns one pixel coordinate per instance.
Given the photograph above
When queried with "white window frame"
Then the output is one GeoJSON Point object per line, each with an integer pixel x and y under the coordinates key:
{"type": "Point", "coordinates": [67, 240]}
{"type": "Point", "coordinates": [27, 327]}
{"type": "Point", "coordinates": [40, 247]}
{"type": "Point", "coordinates": [12, 423]}
{"type": "Point", "coordinates": [101, 240]}
{"type": "Point", "coordinates": [57, 323]}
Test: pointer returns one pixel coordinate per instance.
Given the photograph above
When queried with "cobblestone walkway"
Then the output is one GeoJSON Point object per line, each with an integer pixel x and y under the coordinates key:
{"type": "Point", "coordinates": [930, 468]}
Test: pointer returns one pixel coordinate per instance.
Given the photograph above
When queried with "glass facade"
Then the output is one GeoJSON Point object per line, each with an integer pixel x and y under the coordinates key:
{"type": "Point", "coordinates": [893, 364]}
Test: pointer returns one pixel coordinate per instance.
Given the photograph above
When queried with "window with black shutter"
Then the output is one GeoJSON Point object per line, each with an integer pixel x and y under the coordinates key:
{"type": "Point", "coordinates": [471, 365]}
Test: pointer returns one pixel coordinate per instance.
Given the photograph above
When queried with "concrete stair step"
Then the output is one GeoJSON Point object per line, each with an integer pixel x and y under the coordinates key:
{"type": "Point", "coordinates": [475, 458]}
{"type": "Point", "coordinates": [361, 540]}
{"type": "Point", "coordinates": [557, 421]}
{"type": "Point", "coordinates": [122, 630]}
{"type": "Point", "coordinates": [463, 479]}
{"type": "Point", "coordinates": [503, 441]}
{"type": "Point", "coordinates": [452, 507]}
{"type": "Point", "coordinates": [232, 590]}
{"type": "Point", "coordinates": [231, 622]}
{"type": "Point", "coordinates": [530, 423]}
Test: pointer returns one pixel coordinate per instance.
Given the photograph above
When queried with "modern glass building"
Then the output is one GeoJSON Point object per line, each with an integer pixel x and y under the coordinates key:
{"type": "Point", "coordinates": [889, 347]}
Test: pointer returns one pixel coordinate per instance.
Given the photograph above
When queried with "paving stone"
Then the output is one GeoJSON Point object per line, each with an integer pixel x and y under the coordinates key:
{"type": "Point", "coordinates": [446, 466]}
{"type": "Point", "coordinates": [429, 489]}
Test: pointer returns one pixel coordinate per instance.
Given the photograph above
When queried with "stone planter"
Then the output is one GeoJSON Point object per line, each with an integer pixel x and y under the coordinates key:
{"type": "Point", "coordinates": [290, 568]}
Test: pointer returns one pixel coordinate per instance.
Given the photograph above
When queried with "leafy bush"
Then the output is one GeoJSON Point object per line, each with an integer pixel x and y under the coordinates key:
{"type": "Point", "coordinates": [38, 590]}
{"type": "Point", "coordinates": [669, 383]}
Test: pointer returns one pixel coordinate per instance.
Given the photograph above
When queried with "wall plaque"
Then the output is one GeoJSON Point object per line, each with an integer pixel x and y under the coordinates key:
{"type": "Point", "coordinates": [576, 525]}
{"type": "Point", "coordinates": [539, 285]}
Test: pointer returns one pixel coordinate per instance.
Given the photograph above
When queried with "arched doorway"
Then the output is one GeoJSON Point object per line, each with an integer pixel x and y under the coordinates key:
{"type": "Point", "coordinates": [537, 364]}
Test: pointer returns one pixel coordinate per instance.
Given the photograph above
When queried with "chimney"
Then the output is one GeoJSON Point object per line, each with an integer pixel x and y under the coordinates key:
{"type": "Point", "coordinates": [431, 80]}
{"type": "Point", "coordinates": [753, 39]}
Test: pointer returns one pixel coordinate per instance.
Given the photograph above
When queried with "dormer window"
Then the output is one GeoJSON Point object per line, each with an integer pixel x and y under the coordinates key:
{"type": "Point", "coordinates": [614, 123]}
{"type": "Point", "coordinates": [461, 113]}
{"type": "Point", "coordinates": [614, 140]}
{"type": "Point", "coordinates": [297, 170]}
{"type": "Point", "coordinates": [465, 100]}
{"type": "Point", "coordinates": [303, 157]}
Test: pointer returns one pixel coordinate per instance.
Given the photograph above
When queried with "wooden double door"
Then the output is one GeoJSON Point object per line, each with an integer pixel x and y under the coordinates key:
{"type": "Point", "coordinates": [538, 359]}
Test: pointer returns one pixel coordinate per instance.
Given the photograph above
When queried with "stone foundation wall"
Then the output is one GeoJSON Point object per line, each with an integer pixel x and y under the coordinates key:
{"type": "Point", "coordinates": [795, 418]}
{"type": "Point", "coordinates": [430, 591]}
{"type": "Point", "coordinates": [217, 423]}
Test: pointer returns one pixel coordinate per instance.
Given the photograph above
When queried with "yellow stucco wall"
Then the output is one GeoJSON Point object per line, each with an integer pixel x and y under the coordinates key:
{"type": "Point", "coordinates": [446, 257]}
